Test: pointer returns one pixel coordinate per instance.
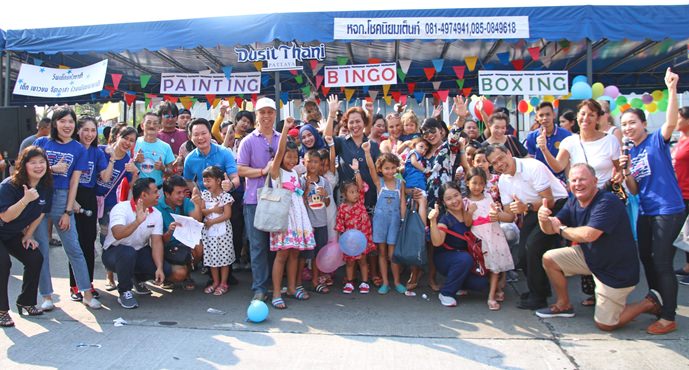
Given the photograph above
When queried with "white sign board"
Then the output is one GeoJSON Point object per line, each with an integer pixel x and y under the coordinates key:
{"type": "Point", "coordinates": [214, 83]}
{"type": "Point", "coordinates": [431, 28]}
{"type": "Point", "coordinates": [523, 82]}
{"type": "Point", "coordinates": [60, 83]}
{"type": "Point", "coordinates": [361, 75]}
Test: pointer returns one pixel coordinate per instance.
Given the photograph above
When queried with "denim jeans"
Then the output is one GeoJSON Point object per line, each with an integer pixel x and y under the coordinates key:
{"type": "Point", "coordinates": [456, 267]}
{"type": "Point", "coordinates": [131, 265]}
{"type": "Point", "coordinates": [258, 248]}
{"type": "Point", "coordinates": [70, 243]}
{"type": "Point", "coordinates": [657, 252]}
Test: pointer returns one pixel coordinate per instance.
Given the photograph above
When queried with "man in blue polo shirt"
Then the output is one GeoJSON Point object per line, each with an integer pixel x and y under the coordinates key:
{"type": "Point", "coordinates": [208, 154]}
{"type": "Point", "coordinates": [548, 134]}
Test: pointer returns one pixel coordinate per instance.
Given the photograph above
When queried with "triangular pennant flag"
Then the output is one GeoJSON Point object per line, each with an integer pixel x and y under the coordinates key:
{"type": "Point", "coordinates": [116, 78]}
{"type": "Point", "coordinates": [313, 63]}
{"type": "Point", "coordinates": [365, 89]}
{"type": "Point", "coordinates": [401, 75]}
{"type": "Point", "coordinates": [318, 100]}
{"type": "Point", "coordinates": [143, 79]}
{"type": "Point", "coordinates": [299, 79]}
{"type": "Point", "coordinates": [388, 100]}
{"type": "Point", "coordinates": [342, 61]}
{"type": "Point", "coordinates": [373, 94]}
{"type": "Point", "coordinates": [293, 72]}
{"type": "Point", "coordinates": [535, 52]}
{"type": "Point", "coordinates": [429, 72]}
{"type": "Point", "coordinates": [471, 62]}
{"type": "Point", "coordinates": [341, 89]}
{"type": "Point", "coordinates": [518, 64]}
{"type": "Point", "coordinates": [435, 95]}
{"type": "Point", "coordinates": [374, 60]}
{"type": "Point", "coordinates": [93, 97]}
{"type": "Point", "coordinates": [258, 65]}
{"type": "Point", "coordinates": [238, 101]}
{"type": "Point", "coordinates": [104, 93]}
{"type": "Point", "coordinates": [62, 66]}
{"type": "Point", "coordinates": [281, 104]}
{"type": "Point", "coordinates": [436, 85]}
{"type": "Point", "coordinates": [520, 44]}
{"type": "Point", "coordinates": [411, 86]}
{"type": "Point", "coordinates": [325, 90]}
{"type": "Point", "coordinates": [284, 96]}
{"type": "Point", "coordinates": [443, 95]}
{"type": "Point", "coordinates": [254, 99]}
{"type": "Point", "coordinates": [459, 71]}
{"type": "Point", "coordinates": [349, 93]}
{"type": "Point", "coordinates": [504, 58]}
{"type": "Point", "coordinates": [546, 61]}
{"type": "Point", "coordinates": [438, 64]}
{"type": "Point", "coordinates": [227, 70]}
{"type": "Point", "coordinates": [564, 44]}
{"type": "Point", "coordinates": [216, 101]}
{"type": "Point", "coordinates": [404, 64]}
{"type": "Point", "coordinates": [147, 103]}
{"type": "Point", "coordinates": [403, 100]}
{"type": "Point", "coordinates": [37, 61]}
{"type": "Point", "coordinates": [306, 90]}
{"type": "Point", "coordinates": [319, 81]}
{"type": "Point", "coordinates": [460, 83]}
{"type": "Point", "coordinates": [170, 98]}
{"type": "Point", "coordinates": [396, 95]}
{"type": "Point", "coordinates": [208, 105]}
{"type": "Point", "coordinates": [210, 98]}
{"type": "Point", "coordinates": [318, 67]}
{"type": "Point", "coordinates": [466, 91]}
{"type": "Point", "coordinates": [111, 89]}
{"type": "Point", "coordinates": [193, 99]}
{"type": "Point", "coordinates": [386, 88]}
{"type": "Point", "coordinates": [265, 79]}
{"type": "Point", "coordinates": [419, 95]}
{"type": "Point", "coordinates": [186, 102]}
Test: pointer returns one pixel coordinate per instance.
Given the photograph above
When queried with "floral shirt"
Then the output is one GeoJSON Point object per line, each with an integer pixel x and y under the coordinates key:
{"type": "Point", "coordinates": [441, 165]}
{"type": "Point", "coordinates": [355, 217]}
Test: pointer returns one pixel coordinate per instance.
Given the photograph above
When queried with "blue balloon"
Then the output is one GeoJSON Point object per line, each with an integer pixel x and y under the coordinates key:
{"type": "Point", "coordinates": [611, 101]}
{"type": "Point", "coordinates": [353, 242]}
{"type": "Point", "coordinates": [581, 90]}
{"type": "Point", "coordinates": [534, 102]}
{"type": "Point", "coordinates": [580, 78]}
{"type": "Point", "coordinates": [257, 311]}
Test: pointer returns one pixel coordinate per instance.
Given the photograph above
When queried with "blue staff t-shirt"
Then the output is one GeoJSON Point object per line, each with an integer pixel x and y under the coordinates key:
{"type": "Point", "coordinates": [651, 166]}
{"type": "Point", "coordinates": [71, 153]}
{"type": "Point", "coordinates": [10, 194]}
{"type": "Point", "coordinates": [159, 150]}
{"type": "Point", "coordinates": [103, 188]}
{"type": "Point", "coordinates": [218, 156]}
{"type": "Point", "coordinates": [552, 142]}
{"type": "Point", "coordinates": [97, 162]}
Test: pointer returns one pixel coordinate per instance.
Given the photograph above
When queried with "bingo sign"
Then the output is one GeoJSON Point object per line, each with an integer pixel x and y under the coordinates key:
{"type": "Point", "coordinates": [523, 82]}
{"type": "Point", "coordinates": [361, 75]}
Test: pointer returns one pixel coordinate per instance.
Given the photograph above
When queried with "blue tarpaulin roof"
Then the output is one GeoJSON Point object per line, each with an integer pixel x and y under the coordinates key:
{"type": "Point", "coordinates": [632, 45]}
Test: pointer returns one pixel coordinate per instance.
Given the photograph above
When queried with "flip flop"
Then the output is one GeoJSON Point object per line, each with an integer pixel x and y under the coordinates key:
{"type": "Point", "coordinates": [321, 288]}
{"type": "Point", "coordinates": [588, 302]}
{"type": "Point", "coordinates": [209, 289]}
{"type": "Point", "coordinates": [278, 303]}
{"type": "Point", "coordinates": [300, 294]}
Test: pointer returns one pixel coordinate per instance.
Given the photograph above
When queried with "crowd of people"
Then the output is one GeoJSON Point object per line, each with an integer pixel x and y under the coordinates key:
{"type": "Point", "coordinates": [552, 206]}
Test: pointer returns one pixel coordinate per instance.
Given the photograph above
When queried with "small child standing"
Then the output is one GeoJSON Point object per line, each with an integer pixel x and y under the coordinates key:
{"type": "Point", "coordinates": [317, 197]}
{"type": "Point", "coordinates": [415, 166]}
{"type": "Point", "coordinates": [497, 257]}
{"type": "Point", "coordinates": [218, 248]}
{"type": "Point", "coordinates": [299, 234]}
{"type": "Point", "coordinates": [328, 170]}
{"type": "Point", "coordinates": [352, 215]}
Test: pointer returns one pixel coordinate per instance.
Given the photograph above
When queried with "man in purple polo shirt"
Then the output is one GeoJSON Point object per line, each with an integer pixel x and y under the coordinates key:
{"type": "Point", "coordinates": [170, 133]}
{"type": "Point", "coordinates": [256, 152]}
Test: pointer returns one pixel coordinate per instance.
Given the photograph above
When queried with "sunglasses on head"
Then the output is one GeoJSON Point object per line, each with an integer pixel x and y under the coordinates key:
{"type": "Point", "coordinates": [168, 116]}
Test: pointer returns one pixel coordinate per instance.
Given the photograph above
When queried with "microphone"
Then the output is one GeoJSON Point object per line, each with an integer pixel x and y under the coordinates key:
{"type": "Point", "coordinates": [626, 145]}
{"type": "Point", "coordinates": [85, 212]}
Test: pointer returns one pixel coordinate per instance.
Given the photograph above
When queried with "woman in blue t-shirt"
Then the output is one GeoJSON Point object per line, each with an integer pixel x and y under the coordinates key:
{"type": "Point", "coordinates": [24, 199]}
{"type": "Point", "coordinates": [67, 159]}
{"type": "Point", "coordinates": [648, 172]}
{"type": "Point", "coordinates": [451, 256]}
{"type": "Point", "coordinates": [99, 167]}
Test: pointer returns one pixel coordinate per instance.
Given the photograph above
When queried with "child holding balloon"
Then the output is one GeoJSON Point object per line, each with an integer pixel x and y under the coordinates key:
{"type": "Point", "coordinates": [299, 234]}
{"type": "Point", "coordinates": [351, 215]}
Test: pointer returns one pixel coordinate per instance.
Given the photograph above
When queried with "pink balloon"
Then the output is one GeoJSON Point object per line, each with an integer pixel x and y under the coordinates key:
{"type": "Point", "coordinates": [330, 257]}
{"type": "Point", "coordinates": [611, 91]}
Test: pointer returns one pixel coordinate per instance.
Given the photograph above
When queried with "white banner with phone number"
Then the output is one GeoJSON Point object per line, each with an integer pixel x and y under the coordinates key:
{"type": "Point", "coordinates": [431, 28]}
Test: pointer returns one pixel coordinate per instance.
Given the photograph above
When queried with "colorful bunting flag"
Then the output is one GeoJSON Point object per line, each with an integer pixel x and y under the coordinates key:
{"type": "Point", "coordinates": [37, 61]}
{"type": "Point", "coordinates": [254, 99]}
{"type": "Point", "coordinates": [62, 66]}
{"type": "Point", "coordinates": [238, 101]}
{"type": "Point", "coordinates": [518, 64]}
{"type": "Point", "coordinates": [401, 75]}
{"type": "Point", "coordinates": [504, 58]}
{"type": "Point", "coordinates": [386, 88]}
{"type": "Point", "coordinates": [258, 65]}
{"type": "Point", "coordinates": [436, 85]}
{"type": "Point", "coordinates": [429, 72]}
{"type": "Point", "coordinates": [186, 102]}
{"type": "Point", "coordinates": [466, 91]}
{"type": "Point", "coordinates": [404, 64]}
{"type": "Point", "coordinates": [410, 87]}
{"type": "Point", "coordinates": [349, 93]}
{"type": "Point", "coordinates": [116, 78]}
{"type": "Point", "coordinates": [216, 101]}
{"type": "Point", "coordinates": [443, 95]}
{"type": "Point", "coordinates": [284, 97]}
{"type": "Point", "coordinates": [227, 70]}
{"type": "Point", "coordinates": [419, 95]}
{"type": "Point", "coordinates": [438, 64]}
{"type": "Point", "coordinates": [459, 71]}
{"type": "Point", "coordinates": [460, 83]}
{"type": "Point", "coordinates": [403, 100]}
{"type": "Point", "coordinates": [396, 95]}
{"type": "Point", "coordinates": [471, 62]}
{"type": "Point", "coordinates": [143, 80]}
{"type": "Point", "coordinates": [325, 90]}
{"type": "Point", "coordinates": [313, 63]}
{"type": "Point", "coordinates": [373, 94]}
{"type": "Point", "coordinates": [342, 61]}
{"type": "Point", "coordinates": [306, 90]}
{"type": "Point", "coordinates": [210, 98]}
{"type": "Point", "coordinates": [299, 79]}
{"type": "Point", "coordinates": [374, 60]}
{"type": "Point", "coordinates": [319, 81]}
{"type": "Point", "coordinates": [293, 72]}
{"type": "Point", "coordinates": [265, 79]}
{"type": "Point", "coordinates": [535, 53]}
{"type": "Point", "coordinates": [388, 100]}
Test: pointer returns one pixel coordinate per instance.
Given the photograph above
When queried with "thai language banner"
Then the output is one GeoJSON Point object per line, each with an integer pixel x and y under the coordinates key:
{"type": "Point", "coordinates": [431, 28]}
{"type": "Point", "coordinates": [361, 75]}
{"type": "Point", "coordinates": [213, 83]}
{"type": "Point", "coordinates": [60, 83]}
{"type": "Point", "coordinates": [523, 82]}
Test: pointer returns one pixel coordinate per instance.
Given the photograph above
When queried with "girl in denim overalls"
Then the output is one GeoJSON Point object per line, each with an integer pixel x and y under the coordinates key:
{"type": "Point", "coordinates": [390, 209]}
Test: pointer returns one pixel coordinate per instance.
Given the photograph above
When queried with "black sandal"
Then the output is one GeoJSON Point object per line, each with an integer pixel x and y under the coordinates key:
{"type": "Point", "coordinates": [30, 310]}
{"type": "Point", "coordinates": [6, 320]}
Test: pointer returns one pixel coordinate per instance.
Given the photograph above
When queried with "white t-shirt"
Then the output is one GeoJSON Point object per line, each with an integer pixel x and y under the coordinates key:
{"type": "Point", "coordinates": [599, 154]}
{"type": "Point", "coordinates": [123, 214]}
{"type": "Point", "coordinates": [530, 178]}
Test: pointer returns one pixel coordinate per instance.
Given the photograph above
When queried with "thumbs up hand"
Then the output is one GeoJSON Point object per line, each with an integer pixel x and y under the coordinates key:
{"type": "Point", "coordinates": [30, 194]}
{"type": "Point", "coordinates": [544, 212]}
{"type": "Point", "coordinates": [139, 156]}
{"type": "Point", "coordinates": [517, 206]}
{"type": "Point", "coordinates": [541, 140]}
{"type": "Point", "coordinates": [158, 165]}
{"type": "Point", "coordinates": [60, 166]}
{"type": "Point", "coordinates": [195, 195]}
{"type": "Point", "coordinates": [130, 166]}
{"type": "Point", "coordinates": [435, 212]}
{"type": "Point", "coordinates": [226, 184]}
{"type": "Point", "coordinates": [494, 212]}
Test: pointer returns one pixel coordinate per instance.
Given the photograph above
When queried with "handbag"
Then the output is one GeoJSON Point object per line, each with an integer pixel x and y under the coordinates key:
{"type": "Point", "coordinates": [474, 248]}
{"type": "Point", "coordinates": [614, 188]}
{"type": "Point", "coordinates": [176, 253]}
{"type": "Point", "coordinates": [273, 206]}
{"type": "Point", "coordinates": [411, 244]}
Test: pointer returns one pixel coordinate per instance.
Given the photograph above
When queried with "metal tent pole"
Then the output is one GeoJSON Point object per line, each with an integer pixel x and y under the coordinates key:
{"type": "Point", "coordinates": [6, 85]}
{"type": "Point", "coordinates": [277, 96]}
{"type": "Point", "coordinates": [589, 61]}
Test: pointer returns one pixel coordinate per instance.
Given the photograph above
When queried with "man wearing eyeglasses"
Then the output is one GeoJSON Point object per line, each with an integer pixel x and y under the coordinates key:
{"type": "Point", "coordinates": [256, 152]}
{"type": "Point", "coordinates": [170, 134]}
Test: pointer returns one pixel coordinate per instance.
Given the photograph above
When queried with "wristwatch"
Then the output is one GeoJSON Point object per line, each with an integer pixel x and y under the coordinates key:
{"type": "Point", "coordinates": [529, 207]}
{"type": "Point", "coordinates": [562, 228]}
{"type": "Point", "coordinates": [69, 213]}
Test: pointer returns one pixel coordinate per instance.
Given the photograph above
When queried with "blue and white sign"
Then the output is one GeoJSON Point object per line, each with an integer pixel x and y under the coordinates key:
{"type": "Point", "coordinates": [60, 83]}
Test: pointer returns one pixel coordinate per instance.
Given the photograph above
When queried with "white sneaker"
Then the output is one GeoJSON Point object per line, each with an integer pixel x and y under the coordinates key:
{"type": "Point", "coordinates": [93, 303]}
{"type": "Point", "coordinates": [47, 305]}
{"type": "Point", "coordinates": [447, 301]}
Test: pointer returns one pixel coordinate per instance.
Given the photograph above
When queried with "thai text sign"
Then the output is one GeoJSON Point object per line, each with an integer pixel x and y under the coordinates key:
{"type": "Point", "coordinates": [431, 28]}
{"type": "Point", "coordinates": [214, 83]}
{"type": "Point", "coordinates": [361, 75]}
{"type": "Point", "coordinates": [523, 82]}
{"type": "Point", "coordinates": [60, 83]}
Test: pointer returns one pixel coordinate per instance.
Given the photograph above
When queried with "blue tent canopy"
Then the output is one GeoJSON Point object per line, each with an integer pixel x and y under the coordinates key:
{"type": "Point", "coordinates": [632, 45]}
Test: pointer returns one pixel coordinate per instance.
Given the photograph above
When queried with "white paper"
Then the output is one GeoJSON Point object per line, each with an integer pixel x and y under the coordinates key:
{"type": "Point", "coordinates": [188, 232]}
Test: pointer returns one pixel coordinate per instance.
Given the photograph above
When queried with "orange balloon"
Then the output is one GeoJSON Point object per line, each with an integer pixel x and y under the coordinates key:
{"type": "Point", "coordinates": [556, 103]}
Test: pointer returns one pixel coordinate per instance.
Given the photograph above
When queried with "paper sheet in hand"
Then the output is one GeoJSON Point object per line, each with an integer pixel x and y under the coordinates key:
{"type": "Point", "coordinates": [188, 232]}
